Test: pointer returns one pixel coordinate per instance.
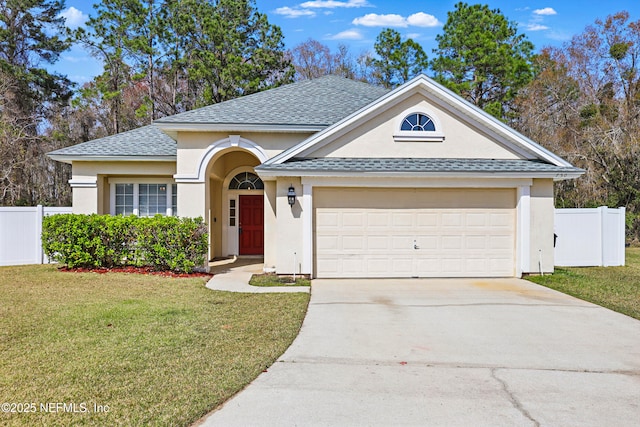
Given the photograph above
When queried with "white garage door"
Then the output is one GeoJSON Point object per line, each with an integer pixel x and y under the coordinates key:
{"type": "Point", "coordinates": [414, 233]}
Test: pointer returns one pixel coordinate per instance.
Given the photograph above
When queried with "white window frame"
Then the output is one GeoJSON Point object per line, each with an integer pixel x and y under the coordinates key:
{"type": "Point", "coordinates": [136, 192]}
{"type": "Point", "coordinates": [418, 136]}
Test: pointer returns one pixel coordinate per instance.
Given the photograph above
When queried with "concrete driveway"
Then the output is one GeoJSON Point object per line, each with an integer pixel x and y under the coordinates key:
{"type": "Point", "coordinates": [448, 353]}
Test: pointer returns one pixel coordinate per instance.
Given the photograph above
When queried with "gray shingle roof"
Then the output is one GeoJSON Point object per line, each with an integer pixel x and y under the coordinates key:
{"type": "Point", "coordinates": [417, 165]}
{"type": "Point", "coordinates": [322, 101]}
{"type": "Point", "coordinates": [319, 102]}
{"type": "Point", "coordinates": [144, 141]}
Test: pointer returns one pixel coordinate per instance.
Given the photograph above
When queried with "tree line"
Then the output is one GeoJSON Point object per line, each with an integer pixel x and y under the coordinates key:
{"type": "Point", "coordinates": [162, 57]}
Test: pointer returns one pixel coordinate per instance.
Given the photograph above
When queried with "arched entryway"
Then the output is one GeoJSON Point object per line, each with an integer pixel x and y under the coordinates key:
{"type": "Point", "coordinates": [236, 204]}
{"type": "Point", "coordinates": [245, 233]}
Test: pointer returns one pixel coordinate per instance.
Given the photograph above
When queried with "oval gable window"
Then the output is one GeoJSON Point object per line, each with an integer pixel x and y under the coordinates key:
{"type": "Point", "coordinates": [246, 181]}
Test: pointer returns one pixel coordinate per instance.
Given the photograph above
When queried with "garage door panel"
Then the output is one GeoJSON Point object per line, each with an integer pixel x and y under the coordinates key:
{"type": "Point", "coordinates": [426, 242]}
{"type": "Point", "coordinates": [327, 242]}
{"type": "Point", "coordinates": [452, 242]}
{"type": "Point", "coordinates": [427, 267]}
{"type": "Point", "coordinates": [475, 242]}
{"type": "Point", "coordinates": [451, 219]}
{"type": "Point", "coordinates": [452, 267]}
{"type": "Point", "coordinates": [427, 220]}
{"type": "Point", "coordinates": [329, 266]}
{"type": "Point", "coordinates": [326, 219]}
{"type": "Point", "coordinates": [402, 219]}
{"type": "Point", "coordinates": [380, 220]}
{"type": "Point", "coordinates": [504, 243]}
{"type": "Point", "coordinates": [379, 243]}
{"type": "Point", "coordinates": [501, 220]}
{"type": "Point", "coordinates": [476, 220]}
{"type": "Point", "coordinates": [401, 266]}
{"type": "Point", "coordinates": [474, 238]}
{"type": "Point", "coordinates": [353, 219]}
{"type": "Point", "coordinates": [353, 266]}
{"type": "Point", "coordinates": [350, 243]}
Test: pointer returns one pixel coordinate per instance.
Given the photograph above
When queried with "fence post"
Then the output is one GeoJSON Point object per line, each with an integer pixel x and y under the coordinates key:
{"type": "Point", "coordinates": [39, 217]}
{"type": "Point", "coordinates": [602, 217]}
{"type": "Point", "coordinates": [622, 231]}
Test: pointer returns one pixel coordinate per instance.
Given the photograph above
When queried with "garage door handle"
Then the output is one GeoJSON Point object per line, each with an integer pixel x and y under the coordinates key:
{"type": "Point", "coordinates": [415, 245]}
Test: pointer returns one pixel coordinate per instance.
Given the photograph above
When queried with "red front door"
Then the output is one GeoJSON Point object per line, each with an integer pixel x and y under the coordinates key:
{"type": "Point", "coordinates": [251, 225]}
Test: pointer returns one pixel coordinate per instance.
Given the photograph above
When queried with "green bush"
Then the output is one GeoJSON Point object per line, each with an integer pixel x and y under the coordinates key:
{"type": "Point", "coordinates": [163, 243]}
{"type": "Point", "coordinates": [170, 243]}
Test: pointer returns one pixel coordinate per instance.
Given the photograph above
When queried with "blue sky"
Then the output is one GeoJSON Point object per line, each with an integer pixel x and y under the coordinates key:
{"type": "Point", "coordinates": [356, 23]}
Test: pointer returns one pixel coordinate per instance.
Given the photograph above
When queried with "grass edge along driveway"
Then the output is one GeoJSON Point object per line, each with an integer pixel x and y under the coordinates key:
{"type": "Point", "coordinates": [616, 288]}
{"type": "Point", "coordinates": [127, 349]}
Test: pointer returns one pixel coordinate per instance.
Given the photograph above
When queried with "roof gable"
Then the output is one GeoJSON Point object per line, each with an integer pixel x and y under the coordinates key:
{"type": "Point", "coordinates": [465, 112]}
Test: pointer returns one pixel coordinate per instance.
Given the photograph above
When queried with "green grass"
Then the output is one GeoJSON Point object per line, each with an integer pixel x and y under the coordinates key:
{"type": "Point", "coordinates": [156, 351]}
{"type": "Point", "coordinates": [616, 288]}
{"type": "Point", "coordinates": [275, 280]}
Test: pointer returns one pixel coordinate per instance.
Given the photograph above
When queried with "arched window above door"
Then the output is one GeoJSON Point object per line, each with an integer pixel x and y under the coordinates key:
{"type": "Point", "coordinates": [246, 181]}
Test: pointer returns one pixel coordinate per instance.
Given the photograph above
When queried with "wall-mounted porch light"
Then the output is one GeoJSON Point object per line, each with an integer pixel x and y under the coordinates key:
{"type": "Point", "coordinates": [291, 196]}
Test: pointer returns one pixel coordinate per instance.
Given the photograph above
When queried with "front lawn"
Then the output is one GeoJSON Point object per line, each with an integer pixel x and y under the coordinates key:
{"type": "Point", "coordinates": [617, 288]}
{"type": "Point", "coordinates": [127, 349]}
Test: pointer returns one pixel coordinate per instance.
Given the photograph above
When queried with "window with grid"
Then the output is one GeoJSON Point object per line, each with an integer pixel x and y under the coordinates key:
{"type": "Point", "coordinates": [152, 199]}
{"type": "Point", "coordinates": [124, 199]}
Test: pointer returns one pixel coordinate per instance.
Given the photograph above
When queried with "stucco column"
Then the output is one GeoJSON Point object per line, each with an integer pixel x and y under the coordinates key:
{"type": "Point", "coordinates": [290, 250]}
{"type": "Point", "coordinates": [84, 198]}
{"type": "Point", "coordinates": [270, 226]}
{"type": "Point", "coordinates": [307, 228]}
{"type": "Point", "coordinates": [193, 200]}
{"type": "Point", "coordinates": [542, 219]}
{"type": "Point", "coordinates": [523, 246]}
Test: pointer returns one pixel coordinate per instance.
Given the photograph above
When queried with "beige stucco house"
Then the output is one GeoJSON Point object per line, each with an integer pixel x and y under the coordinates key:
{"type": "Point", "coordinates": [336, 178]}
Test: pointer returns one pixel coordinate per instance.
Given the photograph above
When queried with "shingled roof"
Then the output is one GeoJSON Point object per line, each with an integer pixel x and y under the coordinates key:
{"type": "Point", "coordinates": [145, 142]}
{"type": "Point", "coordinates": [316, 104]}
{"type": "Point", "coordinates": [320, 102]}
{"type": "Point", "coordinates": [418, 166]}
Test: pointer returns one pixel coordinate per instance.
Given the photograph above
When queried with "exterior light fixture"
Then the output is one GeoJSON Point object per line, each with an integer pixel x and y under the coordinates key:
{"type": "Point", "coordinates": [291, 196]}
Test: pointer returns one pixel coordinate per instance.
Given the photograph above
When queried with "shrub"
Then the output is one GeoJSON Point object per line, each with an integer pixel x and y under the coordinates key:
{"type": "Point", "coordinates": [170, 243]}
{"type": "Point", "coordinates": [163, 243]}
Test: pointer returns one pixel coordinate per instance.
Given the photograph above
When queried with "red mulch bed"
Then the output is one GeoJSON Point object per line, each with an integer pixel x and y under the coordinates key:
{"type": "Point", "coordinates": [134, 270]}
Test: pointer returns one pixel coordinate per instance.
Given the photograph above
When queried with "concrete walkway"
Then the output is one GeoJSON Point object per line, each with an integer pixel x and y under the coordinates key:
{"type": "Point", "coordinates": [233, 275]}
{"type": "Point", "coordinates": [448, 353]}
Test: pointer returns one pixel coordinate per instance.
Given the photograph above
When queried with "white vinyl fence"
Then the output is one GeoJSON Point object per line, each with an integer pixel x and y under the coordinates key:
{"type": "Point", "coordinates": [586, 237]}
{"type": "Point", "coordinates": [20, 230]}
{"type": "Point", "coordinates": [590, 237]}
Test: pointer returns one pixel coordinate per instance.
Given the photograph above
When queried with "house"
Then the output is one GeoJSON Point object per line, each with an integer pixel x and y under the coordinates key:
{"type": "Point", "coordinates": [336, 178]}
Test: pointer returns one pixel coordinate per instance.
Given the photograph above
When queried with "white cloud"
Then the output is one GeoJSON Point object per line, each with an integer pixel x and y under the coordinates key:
{"type": "Point", "coordinates": [545, 11]}
{"type": "Point", "coordinates": [347, 35]}
{"type": "Point", "coordinates": [331, 4]}
{"type": "Point", "coordinates": [422, 19]}
{"type": "Point", "coordinates": [419, 19]}
{"type": "Point", "coordinates": [537, 27]}
{"type": "Point", "coordinates": [375, 20]}
{"type": "Point", "coordinates": [74, 18]}
{"type": "Point", "coordinates": [288, 12]}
